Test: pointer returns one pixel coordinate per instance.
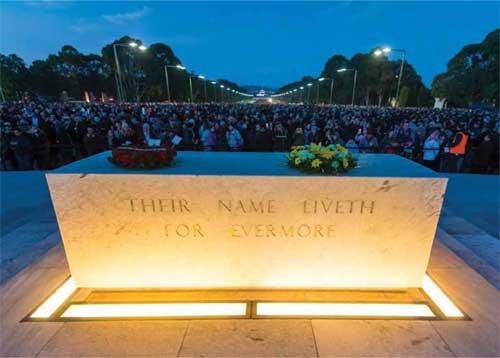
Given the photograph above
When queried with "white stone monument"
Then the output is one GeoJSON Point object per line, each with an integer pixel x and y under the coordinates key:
{"type": "Point", "coordinates": [246, 220]}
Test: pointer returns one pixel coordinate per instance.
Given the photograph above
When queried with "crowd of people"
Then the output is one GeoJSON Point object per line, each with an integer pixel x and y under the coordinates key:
{"type": "Point", "coordinates": [36, 135]}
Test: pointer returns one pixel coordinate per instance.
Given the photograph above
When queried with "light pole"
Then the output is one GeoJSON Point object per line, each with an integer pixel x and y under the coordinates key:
{"type": "Point", "coordinates": [222, 93]}
{"type": "Point", "coordinates": [190, 89]}
{"type": "Point", "coordinates": [309, 85]}
{"type": "Point", "coordinates": [354, 81]}
{"type": "Point", "coordinates": [301, 94]}
{"type": "Point", "coordinates": [321, 79]}
{"type": "Point", "coordinates": [387, 50]}
{"type": "Point", "coordinates": [204, 84]}
{"type": "Point", "coordinates": [215, 90]}
{"type": "Point", "coordinates": [119, 82]}
{"type": "Point", "coordinates": [331, 90]}
{"type": "Point", "coordinates": [166, 77]}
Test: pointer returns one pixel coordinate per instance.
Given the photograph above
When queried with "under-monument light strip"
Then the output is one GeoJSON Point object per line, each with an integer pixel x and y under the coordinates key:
{"type": "Point", "coordinates": [120, 310]}
{"type": "Point", "coordinates": [307, 309]}
{"type": "Point", "coordinates": [51, 304]}
{"type": "Point", "coordinates": [272, 309]}
{"type": "Point", "coordinates": [437, 296]}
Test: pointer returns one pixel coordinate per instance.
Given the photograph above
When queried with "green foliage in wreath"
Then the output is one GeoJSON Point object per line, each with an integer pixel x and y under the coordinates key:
{"type": "Point", "coordinates": [315, 158]}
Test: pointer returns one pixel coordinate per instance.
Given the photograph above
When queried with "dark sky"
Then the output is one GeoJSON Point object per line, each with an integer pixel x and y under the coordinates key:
{"type": "Point", "coordinates": [253, 43]}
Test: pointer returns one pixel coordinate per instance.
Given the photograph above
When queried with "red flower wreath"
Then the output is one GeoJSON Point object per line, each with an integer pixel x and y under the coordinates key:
{"type": "Point", "coordinates": [136, 157]}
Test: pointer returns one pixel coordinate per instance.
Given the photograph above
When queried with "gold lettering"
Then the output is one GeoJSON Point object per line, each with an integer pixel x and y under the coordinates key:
{"type": "Point", "coordinates": [257, 207]}
{"type": "Point", "coordinates": [289, 232]}
{"type": "Point", "coordinates": [326, 208]}
{"type": "Point", "coordinates": [224, 205]}
{"type": "Point", "coordinates": [371, 207]}
{"type": "Point", "coordinates": [305, 211]}
{"type": "Point", "coordinates": [270, 206]}
{"type": "Point", "coordinates": [197, 230]}
{"type": "Point", "coordinates": [270, 229]}
{"type": "Point", "coordinates": [145, 205]}
{"type": "Point", "coordinates": [337, 207]}
{"type": "Point", "coordinates": [240, 206]}
{"type": "Point", "coordinates": [132, 208]}
{"type": "Point", "coordinates": [233, 231]}
{"type": "Point", "coordinates": [184, 205]}
{"type": "Point", "coordinates": [318, 231]}
{"type": "Point", "coordinates": [184, 228]}
{"type": "Point", "coordinates": [166, 229]}
{"type": "Point", "coordinates": [161, 204]}
{"type": "Point", "coordinates": [308, 230]}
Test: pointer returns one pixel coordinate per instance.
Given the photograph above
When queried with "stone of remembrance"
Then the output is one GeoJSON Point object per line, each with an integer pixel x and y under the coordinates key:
{"type": "Point", "coordinates": [246, 220]}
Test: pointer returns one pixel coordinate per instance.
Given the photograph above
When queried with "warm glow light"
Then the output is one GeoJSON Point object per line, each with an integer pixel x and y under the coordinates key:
{"type": "Point", "coordinates": [386, 50]}
{"type": "Point", "coordinates": [109, 310]}
{"type": "Point", "coordinates": [321, 79]}
{"type": "Point", "coordinates": [133, 44]}
{"type": "Point", "coordinates": [180, 67]}
{"type": "Point", "coordinates": [213, 82]}
{"type": "Point", "coordinates": [142, 48]}
{"type": "Point", "coordinates": [344, 309]}
{"type": "Point", "coordinates": [439, 298]}
{"type": "Point", "coordinates": [301, 87]}
{"type": "Point", "coordinates": [201, 77]}
{"type": "Point", "coordinates": [309, 84]}
{"type": "Point", "coordinates": [55, 300]}
{"type": "Point", "coordinates": [377, 52]}
{"type": "Point", "coordinates": [221, 86]}
{"type": "Point", "coordinates": [342, 70]}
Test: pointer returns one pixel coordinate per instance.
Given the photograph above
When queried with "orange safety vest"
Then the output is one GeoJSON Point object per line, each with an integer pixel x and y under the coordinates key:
{"type": "Point", "coordinates": [460, 147]}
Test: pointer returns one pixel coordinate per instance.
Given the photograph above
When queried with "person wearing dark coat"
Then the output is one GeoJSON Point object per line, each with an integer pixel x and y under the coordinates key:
{"type": "Point", "coordinates": [42, 149]}
{"type": "Point", "coordinates": [91, 142]}
{"type": "Point", "coordinates": [482, 155]}
{"type": "Point", "coordinates": [263, 140]}
{"type": "Point", "coordinates": [23, 150]}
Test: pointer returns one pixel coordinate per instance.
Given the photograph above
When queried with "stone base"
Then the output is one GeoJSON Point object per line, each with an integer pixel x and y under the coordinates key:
{"type": "Point", "coordinates": [258, 337]}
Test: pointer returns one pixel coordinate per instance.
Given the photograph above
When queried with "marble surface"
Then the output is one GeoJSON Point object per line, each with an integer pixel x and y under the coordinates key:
{"type": "Point", "coordinates": [188, 231]}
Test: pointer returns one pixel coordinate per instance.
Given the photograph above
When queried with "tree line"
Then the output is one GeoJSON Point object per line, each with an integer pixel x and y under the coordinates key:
{"type": "Point", "coordinates": [73, 73]}
{"type": "Point", "coordinates": [472, 77]}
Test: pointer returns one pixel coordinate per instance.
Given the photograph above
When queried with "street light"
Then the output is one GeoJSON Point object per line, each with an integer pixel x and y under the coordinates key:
{"type": "Point", "coordinates": [118, 77]}
{"type": "Point", "coordinates": [309, 92]}
{"type": "Point", "coordinates": [321, 79]}
{"type": "Point", "coordinates": [387, 50]}
{"type": "Point", "coordinates": [214, 83]}
{"type": "Point", "coordinates": [179, 67]}
{"type": "Point", "coordinates": [354, 81]}
{"type": "Point", "coordinates": [201, 77]}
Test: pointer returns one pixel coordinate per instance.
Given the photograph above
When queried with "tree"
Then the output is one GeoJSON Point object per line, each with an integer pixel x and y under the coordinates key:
{"type": "Point", "coordinates": [13, 76]}
{"type": "Point", "coordinates": [403, 96]}
{"type": "Point", "coordinates": [472, 75]}
{"type": "Point", "coordinates": [376, 81]}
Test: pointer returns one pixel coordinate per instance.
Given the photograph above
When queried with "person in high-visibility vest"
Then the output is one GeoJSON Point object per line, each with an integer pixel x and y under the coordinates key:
{"type": "Point", "coordinates": [457, 150]}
